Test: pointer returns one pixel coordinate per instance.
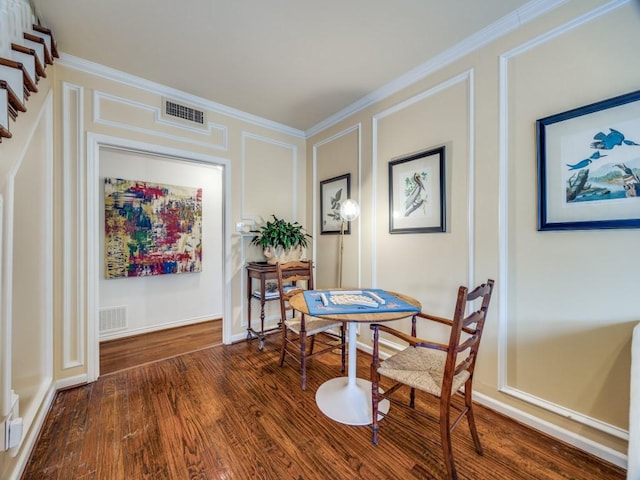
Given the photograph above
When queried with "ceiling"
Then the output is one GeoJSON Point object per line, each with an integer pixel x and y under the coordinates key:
{"type": "Point", "coordinates": [294, 62]}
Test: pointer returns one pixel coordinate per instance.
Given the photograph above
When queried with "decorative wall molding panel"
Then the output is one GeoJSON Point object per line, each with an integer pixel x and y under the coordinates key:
{"type": "Point", "coordinates": [73, 218]}
{"type": "Point", "coordinates": [504, 308]}
{"type": "Point", "coordinates": [162, 90]}
{"type": "Point", "coordinates": [108, 109]}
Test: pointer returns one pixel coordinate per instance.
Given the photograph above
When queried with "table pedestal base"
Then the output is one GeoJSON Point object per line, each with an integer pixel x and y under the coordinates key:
{"type": "Point", "coordinates": [348, 403]}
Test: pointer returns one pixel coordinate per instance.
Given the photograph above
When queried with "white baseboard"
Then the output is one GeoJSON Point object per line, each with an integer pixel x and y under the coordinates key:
{"type": "Point", "coordinates": [32, 435]}
{"type": "Point", "coordinates": [72, 381]}
{"type": "Point", "coordinates": [605, 453]}
{"type": "Point", "coordinates": [129, 332]}
{"type": "Point", "coordinates": [608, 454]}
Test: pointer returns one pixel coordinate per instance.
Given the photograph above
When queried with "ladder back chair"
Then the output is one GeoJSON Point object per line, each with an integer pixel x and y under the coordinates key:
{"type": "Point", "coordinates": [440, 370]}
{"type": "Point", "coordinates": [299, 331]}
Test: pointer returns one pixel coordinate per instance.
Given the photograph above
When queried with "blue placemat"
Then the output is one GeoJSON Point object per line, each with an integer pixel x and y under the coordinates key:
{"type": "Point", "coordinates": [391, 303]}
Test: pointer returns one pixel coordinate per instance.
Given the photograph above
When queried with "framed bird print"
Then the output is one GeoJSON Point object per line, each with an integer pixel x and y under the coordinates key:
{"type": "Point", "coordinates": [417, 192]}
{"type": "Point", "coordinates": [333, 192]}
{"type": "Point", "coordinates": [589, 166]}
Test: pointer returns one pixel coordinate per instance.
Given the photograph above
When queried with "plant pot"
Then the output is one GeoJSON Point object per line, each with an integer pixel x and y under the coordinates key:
{"type": "Point", "coordinates": [280, 255]}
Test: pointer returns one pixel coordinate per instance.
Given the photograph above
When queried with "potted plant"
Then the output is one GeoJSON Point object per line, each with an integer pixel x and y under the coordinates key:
{"type": "Point", "coordinates": [281, 241]}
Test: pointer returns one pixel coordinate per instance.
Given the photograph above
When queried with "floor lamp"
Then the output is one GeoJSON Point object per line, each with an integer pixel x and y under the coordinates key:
{"type": "Point", "coordinates": [349, 210]}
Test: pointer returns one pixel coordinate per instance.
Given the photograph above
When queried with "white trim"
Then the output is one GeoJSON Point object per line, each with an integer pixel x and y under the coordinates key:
{"type": "Point", "coordinates": [31, 435]}
{"type": "Point", "coordinates": [227, 316]}
{"type": "Point", "coordinates": [74, 381]}
{"type": "Point", "coordinates": [359, 219]}
{"type": "Point", "coordinates": [471, 185]}
{"type": "Point", "coordinates": [154, 328]}
{"type": "Point", "coordinates": [567, 413]}
{"type": "Point", "coordinates": [316, 208]}
{"type": "Point", "coordinates": [43, 118]}
{"type": "Point", "coordinates": [7, 292]}
{"type": "Point", "coordinates": [467, 76]}
{"type": "Point", "coordinates": [294, 166]}
{"type": "Point", "coordinates": [47, 366]}
{"type": "Point", "coordinates": [238, 337]}
{"type": "Point", "coordinates": [503, 238]}
{"type": "Point", "coordinates": [569, 437]}
{"type": "Point", "coordinates": [244, 238]}
{"type": "Point", "coordinates": [374, 198]}
{"type": "Point", "coordinates": [98, 96]}
{"type": "Point", "coordinates": [578, 441]}
{"type": "Point", "coordinates": [566, 27]}
{"type": "Point", "coordinates": [501, 27]}
{"type": "Point", "coordinates": [92, 68]}
{"type": "Point", "coordinates": [91, 259]}
{"type": "Point", "coordinates": [633, 446]}
{"type": "Point", "coordinates": [73, 353]}
{"type": "Point", "coordinates": [94, 143]}
{"type": "Point", "coordinates": [503, 223]}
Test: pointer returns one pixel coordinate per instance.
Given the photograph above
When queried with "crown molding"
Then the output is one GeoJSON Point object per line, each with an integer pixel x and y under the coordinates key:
{"type": "Point", "coordinates": [109, 73]}
{"type": "Point", "coordinates": [505, 25]}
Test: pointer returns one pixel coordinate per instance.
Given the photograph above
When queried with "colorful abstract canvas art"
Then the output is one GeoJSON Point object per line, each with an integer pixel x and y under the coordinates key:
{"type": "Point", "coordinates": [151, 229]}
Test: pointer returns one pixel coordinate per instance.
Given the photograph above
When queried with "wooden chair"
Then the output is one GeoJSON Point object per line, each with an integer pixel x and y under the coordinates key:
{"type": "Point", "coordinates": [297, 328]}
{"type": "Point", "coordinates": [437, 369]}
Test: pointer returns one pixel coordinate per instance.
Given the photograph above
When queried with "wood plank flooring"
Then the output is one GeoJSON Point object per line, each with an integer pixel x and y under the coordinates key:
{"type": "Point", "coordinates": [149, 347]}
{"type": "Point", "coordinates": [230, 412]}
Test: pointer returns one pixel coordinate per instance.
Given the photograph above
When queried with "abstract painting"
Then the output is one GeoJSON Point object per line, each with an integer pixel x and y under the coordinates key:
{"type": "Point", "coordinates": [151, 229]}
{"type": "Point", "coordinates": [589, 166]}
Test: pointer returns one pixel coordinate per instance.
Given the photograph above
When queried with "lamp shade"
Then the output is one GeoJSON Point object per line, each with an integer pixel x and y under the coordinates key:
{"type": "Point", "coordinates": [349, 210]}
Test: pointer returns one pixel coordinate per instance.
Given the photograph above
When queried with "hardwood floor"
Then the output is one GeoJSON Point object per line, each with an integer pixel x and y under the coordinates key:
{"type": "Point", "coordinates": [149, 347]}
{"type": "Point", "coordinates": [230, 412]}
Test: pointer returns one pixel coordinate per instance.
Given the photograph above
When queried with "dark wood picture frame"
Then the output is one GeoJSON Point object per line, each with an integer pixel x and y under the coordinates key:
{"type": "Point", "coordinates": [417, 192]}
{"type": "Point", "coordinates": [333, 192]}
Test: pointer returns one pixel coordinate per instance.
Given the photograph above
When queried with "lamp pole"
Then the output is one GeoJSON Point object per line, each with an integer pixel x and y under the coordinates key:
{"type": "Point", "coordinates": [341, 253]}
{"type": "Point", "coordinates": [349, 210]}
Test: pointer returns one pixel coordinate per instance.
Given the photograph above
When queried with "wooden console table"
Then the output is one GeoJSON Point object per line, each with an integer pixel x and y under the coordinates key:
{"type": "Point", "coordinates": [261, 271]}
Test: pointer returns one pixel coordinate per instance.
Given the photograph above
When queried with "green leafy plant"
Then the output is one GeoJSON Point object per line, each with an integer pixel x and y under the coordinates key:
{"type": "Point", "coordinates": [280, 233]}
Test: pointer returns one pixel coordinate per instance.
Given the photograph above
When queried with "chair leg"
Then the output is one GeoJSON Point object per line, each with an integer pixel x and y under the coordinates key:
{"type": "Point", "coordinates": [312, 342]}
{"type": "Point", "coordinates": [342, 343]}
{"type": "Point", "coordinates": [303, 358]}
{"type": "Point", "coordinates": [375, 392]}
{"type": "Point", "coordinates": [284, 344]}
{"type": "Point", "coordinates": [471, 418]}
{"type": "Point", "coordinates": [445, 437]}
{"type": "Point", "coordinates": [374, 407]}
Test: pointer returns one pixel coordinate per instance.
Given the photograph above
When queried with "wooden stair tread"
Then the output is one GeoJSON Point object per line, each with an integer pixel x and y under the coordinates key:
{"type": "Point", "coordinates": [26, 80]}
{"type": "Point", "coordinates": [48, 31]}
{"type": "Point", "coordinates": [30, 51]}
{"type": "Point", "coordinates": [14, 101]}
{"type": "Point", "coordinates": [39, 40]}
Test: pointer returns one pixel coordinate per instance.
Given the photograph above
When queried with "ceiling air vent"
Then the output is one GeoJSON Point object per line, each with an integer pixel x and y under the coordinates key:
{"type": "Point", "coordinates": [174, 111]}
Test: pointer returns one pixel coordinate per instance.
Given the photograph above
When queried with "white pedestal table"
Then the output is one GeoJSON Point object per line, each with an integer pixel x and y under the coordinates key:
{"type": "Point", "coordinates": [348, 399]}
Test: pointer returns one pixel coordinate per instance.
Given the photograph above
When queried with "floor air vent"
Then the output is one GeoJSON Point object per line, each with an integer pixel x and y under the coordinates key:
{"type": "Point", "coordinates": [172, 110]}
{"type": "Point", "coordinates": [113, 318]}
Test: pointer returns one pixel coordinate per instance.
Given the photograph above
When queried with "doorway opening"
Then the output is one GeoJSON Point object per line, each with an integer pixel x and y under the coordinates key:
{"type": "Point", "coordinates": [158, 302]}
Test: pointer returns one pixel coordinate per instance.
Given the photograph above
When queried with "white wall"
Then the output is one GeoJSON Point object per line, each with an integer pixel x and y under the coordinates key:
{"type": "Point", "coordinates": [165, 301]}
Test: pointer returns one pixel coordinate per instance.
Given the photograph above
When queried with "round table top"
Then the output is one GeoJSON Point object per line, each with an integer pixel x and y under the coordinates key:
{"type": "Point", "coordinates": [298, 303]}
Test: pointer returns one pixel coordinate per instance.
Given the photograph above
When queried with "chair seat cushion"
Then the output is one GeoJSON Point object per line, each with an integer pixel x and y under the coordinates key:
{"type": "Point", "coordinates": [312, 325]}
{"type": "Point", "coordinates": [422, 368]}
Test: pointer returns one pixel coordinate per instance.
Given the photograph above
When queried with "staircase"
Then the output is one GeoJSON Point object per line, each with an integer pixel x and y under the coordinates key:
{"type": "Point", "coordinates": [26, 48]}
